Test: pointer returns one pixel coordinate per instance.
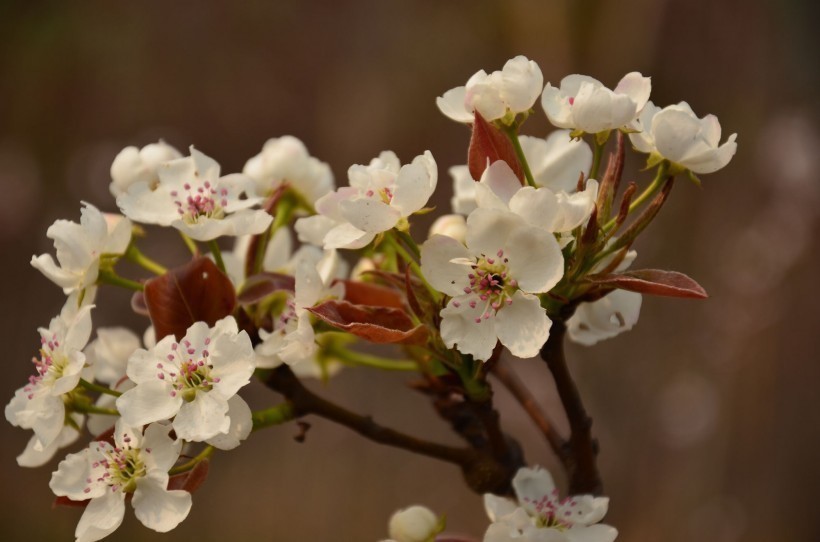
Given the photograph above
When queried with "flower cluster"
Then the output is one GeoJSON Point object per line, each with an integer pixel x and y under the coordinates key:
{"type": "Point", "coordinates": [538, 243]}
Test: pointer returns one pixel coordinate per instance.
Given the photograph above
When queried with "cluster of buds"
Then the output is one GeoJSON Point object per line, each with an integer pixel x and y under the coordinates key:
{"type": "Point", "coordinates": [540, 241]}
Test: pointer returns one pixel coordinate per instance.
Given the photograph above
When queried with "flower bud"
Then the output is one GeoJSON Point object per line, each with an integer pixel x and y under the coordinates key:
{"type": "Point", "coordinates": [414, 524]}
{"type": "Point", "coordinates": [450, 225]}
{"type": "Point", "coordinates": [133, 165]}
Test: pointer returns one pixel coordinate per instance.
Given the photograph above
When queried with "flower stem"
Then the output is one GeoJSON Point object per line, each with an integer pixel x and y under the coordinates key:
{"type": "Point", "coordinates": [185, 467]}
{"type": "Point", "coordinates": [366, 360]}
{"type": "Point", "coordinates": [134, 255]}
{"type": "Point", "coordinates": [92, 409]}
{"type": "Point", "coordinates": [597, 155]}
{"type": "Point", "coordinates": [190, 244]}
{"type": "Point", "coordinates": [512, 133]}
{"type": "Point", "coordinates": [275, 415]}
{"type": "Point", "coordinates": [110, 277]}
{"type": "Point", "coordinates": [90, 386]}
{"type": "Point", "coordinates": [214, 247]}
{"type": "Point", "coordinates": [410, 260]}
{"type": "Point", "coordinates": [648, 192]}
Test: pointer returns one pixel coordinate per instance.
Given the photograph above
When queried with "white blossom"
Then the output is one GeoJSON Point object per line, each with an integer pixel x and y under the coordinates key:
{"type": "Point", "coordinates": [286, 161]}
{"type": "Point", "coordinates": [512, 90]}
{"type": "Point", "coordinates": [492, 281]}
{"type": "Point", "coordinates": [555, 212]}
{"type": "Point", "coordinates": [192, 197]}
{"type": "Point", "coordinates": [39, 404]}
{"type": "Point", "coordinates": [80, 246]}
{"type": "Point", "coordinates": [584, 104]}
{"type": "Point", "coordinates": [539, 515]}
{"type": "Point", "coordinates": [134, 165]}
{"type": "Point", "coordinates": [454, 226]}
{"type": "Point", "coordinates": [675, 133]}
{"type": "Point", "coordinates": [190, 381]}
{"type": "Point", "coordinates": [414, 524]}
{"type": "Point", "coordinates": [380, 195]}
{"type": "Point", "coordinates": [616, 312]}
{"type": "Point", "coordinates": [104, 474]}
{"type": "Point", "coordinates": [556, 161]}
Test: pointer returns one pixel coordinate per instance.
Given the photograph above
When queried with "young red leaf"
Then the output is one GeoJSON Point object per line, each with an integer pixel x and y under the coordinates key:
{"type": "Point", "coordinates": [376, 324]}
{"type": "Point", "coordinates": [490, 143]}
{"type": "Point", "coordinates": [196, 291]}
{"type": "Point", "coordinates": [365, 293]}
{"type": "Point", "coordinates": [262, 285]}
{"type": "Point", "coordinates": [653, 282]}
{"type": "Point", "coordinates": [191, 480]}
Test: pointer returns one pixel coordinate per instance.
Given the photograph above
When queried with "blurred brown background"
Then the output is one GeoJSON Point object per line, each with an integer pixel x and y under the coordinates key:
{"type": "Point", "coordinates": [706, 412]}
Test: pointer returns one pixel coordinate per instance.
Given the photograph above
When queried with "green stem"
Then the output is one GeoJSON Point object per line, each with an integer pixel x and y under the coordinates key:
{"type": "Point", "coordinates": [512, 133]}
{"type": "Point", "coordinates": [275, 415]}
{"type": "Point", "coordinates": [214, 247]}
{"type": "Point", "coordinates": [185, 467]}
{"type": "Point", "coordinates": [648, 192]}
{"type": "Point", "coordinates": [90, 386]}
{"type": "Point", "coordinates": [92, 409]}
{"type": "Point", "coordinates": [134, 255]}
{"type": "Point", "coordinates": [368, 360]}
{"type": "Point", "coordinates": [408, 258]}
{"type": "Point", "coordinates": [110, 277]}
{"type": "Point", "coordinates": [410, 242]}
{"type": "Point", "coordinates": [190, 244]}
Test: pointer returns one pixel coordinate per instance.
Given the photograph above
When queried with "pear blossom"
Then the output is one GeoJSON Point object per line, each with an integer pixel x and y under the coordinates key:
{"type": "Point", "coordinates": [134, 165]}
{"type": "Point", "coordinates": [414, 524]}
{"type": "Point", "coordinates": [512, 90]}
{"type": "Point", "coordinates": [539, 515]}
{"type": "Point", "coordinates": [292, 339]}
{"type": "Point", "coordinates": [616, 312]}
{"type": "Point", "coordinates": [675, 133]}
{"type": "Point", "coordinates": [137, 464]}
{"type": "Point", "coordinates": [285, 160]}
{"type": "Point", "coordinates": [379, 197]}
{"type": "Point", "coordinates": [454, 226]}
{"type": "Point", "coordinates": [583, 104]}
{"type": "Point", "coordinates": [556, 161]}
{"type": "Point", "coordinates": [39, 404]}
{"type": "Point", "coordinates": [36, 456]}
{"type": "Point", "coordinates": [492, 281]}
{"type": "Point", "coordinates": [80, 246]}
{"type": "Point", "coordinates": [193, 198]}
{"type": "Point", "coordinates": [556, 212]}
{"type": "Point", "coordinates": [190, 381]}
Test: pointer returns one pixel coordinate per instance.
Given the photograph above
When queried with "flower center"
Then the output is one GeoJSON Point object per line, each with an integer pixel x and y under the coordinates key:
{"type": "Point", "coordinates": [189, 371]}
{"type": "Point", "coordinates": [49, 366]}
{"type": "Point", "coordinates": [554, 513]}
{"type": "Point", "coordinates": [490, 280]}
{"type": "Point", "coordinates": [121, 467]}
{"type": "Point", "coordinates": [201, 201]}
{"type": "Point", "coordinates": [384, 194]}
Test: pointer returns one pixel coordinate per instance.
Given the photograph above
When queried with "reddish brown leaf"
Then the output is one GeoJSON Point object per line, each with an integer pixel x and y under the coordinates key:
{"type": "Point", "coordinates": [262, 285]}
{"type": "Point", "coordinates": [196, 291]}
{"type": "Point", "coordinates": [652, 281]}
{"type": "Point", "coordinates": [488, 142]}
{"type": "Point", "coordinates": [191, 480]}
{"type": "Point", "coordinates": [365, 293]}
{"type": "Point", "coordinates": [376, 324]}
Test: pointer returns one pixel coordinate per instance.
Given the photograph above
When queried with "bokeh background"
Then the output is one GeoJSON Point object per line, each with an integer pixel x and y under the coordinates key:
{"type": "Point", "coordinates": [707, 412]}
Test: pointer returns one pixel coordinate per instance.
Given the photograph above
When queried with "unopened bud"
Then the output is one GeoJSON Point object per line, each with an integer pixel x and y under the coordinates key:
{"type": "Point", "coordinates": [414, 524]}
{"type": "Point", "coordinates": [450, 225]}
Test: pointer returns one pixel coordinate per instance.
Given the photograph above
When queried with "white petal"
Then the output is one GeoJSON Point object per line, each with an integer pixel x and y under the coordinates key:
{"type": "Point", "coordinates": [451, 103]}
{"type": "Point", "coordinates": [148, 402]}
{"type": "Point", "coordinates": [558, 161]}
{"type": "Point", "coordinates": [31, 457]}
{"type": "Point", "coordinates": [72, 475]}
{"type": "Point", "coordinates": [460, 329]}
{"type": "Point", "coordinates": [523, 326]}
{"type": "Point", "coordinates": [437, 266]}
{"type": "Point", "coordinates": [497, 507]}
{"type": "Point", "coordinates": [312, 229]}
{"type": "Point", "coordinates": [557, 107]}
{"type": "Point", "coordinates": [637, 87]}
{"type": "Point", "coordinates": [531, 485]}
{"type": "Point", "coordinates": [369, 214]}
{"type": "Point", "coordinates": [593, 533]}
{"type": "Point", "coordinates": [535, 259]}
{"type": "Point", "coordinates": [347, 236]}
{"type": "Point", "coordinates": [605, 318]}
{"type": "Point", "coordinates": [157, 508]}
{"type": "Point", "coordinates": [522, 83]}
{"type": "Point", "coordinates": [501, 181]}
{"type": "Point", "coordinates": [415, 184]}
{"type": "Point", "coordinates": [102, 516]}
{"type": "Point", "coordinates": [675, 133]}
{"type": "Point", "coordinates": [159, 450]}
{"type": "Point", "coordinates": [204, 417]}
{"type": "Point", "coordinates": [233, 362]}
{"type": "Point", "coordinates": [241, 425]}
{"type": "Point", "coordinates": [488, 229]}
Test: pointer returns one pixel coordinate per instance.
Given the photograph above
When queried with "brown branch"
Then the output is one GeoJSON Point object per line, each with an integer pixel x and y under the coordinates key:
{"type": "Point", "coordinates": [482, 472]}
{"type": "Point", "coordinates": [583, 449]}
{"type": "Point", "coordinates": [505, 374]}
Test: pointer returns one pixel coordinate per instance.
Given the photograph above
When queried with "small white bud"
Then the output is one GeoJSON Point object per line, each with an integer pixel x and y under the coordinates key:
{"type": "Point", "coordinates": [454, 226]}
{"type": "Point", "coordinates": [414, 524]}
